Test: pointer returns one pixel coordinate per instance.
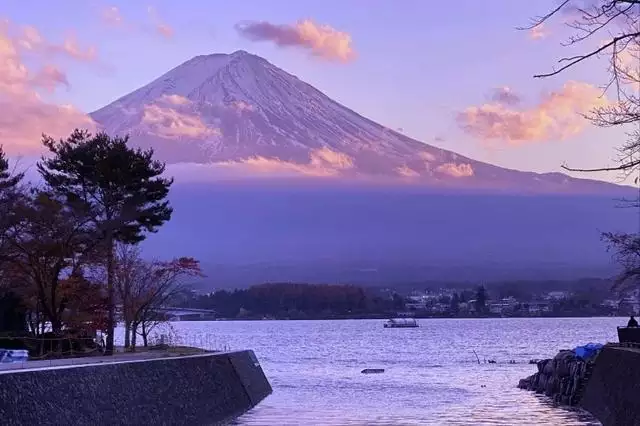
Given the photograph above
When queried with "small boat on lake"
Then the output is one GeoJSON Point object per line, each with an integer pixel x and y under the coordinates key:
{"type": "Point", "coordinates": [401, 323]}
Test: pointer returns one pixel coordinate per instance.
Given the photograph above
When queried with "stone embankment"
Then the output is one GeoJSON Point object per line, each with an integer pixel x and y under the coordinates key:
{"type": "Point", "coordinates": [202, 389]}
{"type": "Point", "coordinates": [612, 394]}
{"type": "Point", "coordinates": [563, 378]}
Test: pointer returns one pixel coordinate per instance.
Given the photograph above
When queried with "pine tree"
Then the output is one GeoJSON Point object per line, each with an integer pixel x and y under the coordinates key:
{"type": "Point", "coordinates": [7, 179]}
{"type": "Point", "coordinates": [481, 299]}
{"type": "Point", "coordinates": [122, 188]}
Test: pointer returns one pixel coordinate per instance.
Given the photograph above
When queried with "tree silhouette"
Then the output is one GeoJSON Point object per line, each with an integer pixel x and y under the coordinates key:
{"type": "Point", "coordinates": [8, 180]}
{"type": "Point", "coordinates": [120, 187]}
{"type": "Point", "coordinates": [143, 287]}
{"type": "Point", "coordinates": [481, 299]}
{"type": "Point", "coordinates": [8, 197]}
{"type": "Point", "coordinates": [12, 315]}
{"type": "Point", "coordinates": [606, 28]}
{"type": "Point", "coordinates": [45, 240]}
{"type": "Point", "coordinates": [609, 28]}
{"type": "Point", "coordinates": [455, 304]}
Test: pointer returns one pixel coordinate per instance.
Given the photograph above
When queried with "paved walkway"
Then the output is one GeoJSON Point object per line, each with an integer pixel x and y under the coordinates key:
{"type": "Point", "coordinates": [119, 356]}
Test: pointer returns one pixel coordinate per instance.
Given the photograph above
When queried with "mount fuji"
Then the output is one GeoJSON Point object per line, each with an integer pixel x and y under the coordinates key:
{"type": "Point", "coordinates": [239, 109]}
{"type": "Point", "coordinates": [445, 217]}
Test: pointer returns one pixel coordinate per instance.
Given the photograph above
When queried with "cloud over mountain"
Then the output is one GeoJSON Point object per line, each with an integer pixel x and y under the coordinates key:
{"type": "Point", "coordinates": [557, 116]}
{"type": "Point", "coordinates": [170, 117]}
{"type": "Point", "coordinates": [234, 115]}
{"type": "Point", "coordinates": [321, 40]}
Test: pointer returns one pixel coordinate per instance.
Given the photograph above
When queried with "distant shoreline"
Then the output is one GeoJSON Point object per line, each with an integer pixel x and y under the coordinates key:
{"type": "Point", "coordinates": [382, 317]}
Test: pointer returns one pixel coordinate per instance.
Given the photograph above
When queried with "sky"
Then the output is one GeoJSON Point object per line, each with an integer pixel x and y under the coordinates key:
{"type": "Point", "coordinates": [460, 78]}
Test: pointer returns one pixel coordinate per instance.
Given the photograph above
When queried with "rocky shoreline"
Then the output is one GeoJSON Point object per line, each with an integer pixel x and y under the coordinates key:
{"type": "Point", "coordinates": [562, 378]}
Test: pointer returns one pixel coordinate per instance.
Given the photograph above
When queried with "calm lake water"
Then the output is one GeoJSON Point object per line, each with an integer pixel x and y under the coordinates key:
{"type": "Point", "coordinates": [431, 373]}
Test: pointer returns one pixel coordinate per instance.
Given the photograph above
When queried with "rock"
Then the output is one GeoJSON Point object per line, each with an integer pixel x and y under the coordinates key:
{"type": "Point", "coordinates": [560, 378]}
{"type": "Point", "coordinates": [527, 383]}
{"type": "Point", "coordinates": [541, 365]}
{"type": "Point", "coordinates": [372, 371]}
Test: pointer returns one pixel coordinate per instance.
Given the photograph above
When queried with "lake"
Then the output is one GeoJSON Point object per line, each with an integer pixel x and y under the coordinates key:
{"type": "Point", "coordinates": [431, 376]}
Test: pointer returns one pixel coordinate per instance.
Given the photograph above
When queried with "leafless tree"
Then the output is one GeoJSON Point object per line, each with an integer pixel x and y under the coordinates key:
{"type": "Point", "coordinates": [130, 274]}
{"type": "Point", "coordinates": [609, 29]}
{"type": "Point", "coordinates": [145, 286]}
{"type": "Point", "coordinates": [606, 29]}
{"type": "Point", "coordinates": [168, 280]}
{"type": "Point", "coordinates": [626, 249]}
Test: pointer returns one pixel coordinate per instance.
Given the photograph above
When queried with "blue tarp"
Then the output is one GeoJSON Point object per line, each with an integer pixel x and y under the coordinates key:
{"type": "Point", "coordinates": [588, 350]}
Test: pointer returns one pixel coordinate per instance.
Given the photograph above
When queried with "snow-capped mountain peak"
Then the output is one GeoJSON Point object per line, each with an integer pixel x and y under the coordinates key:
{"type": "Point", "coordinates": [239, 109]}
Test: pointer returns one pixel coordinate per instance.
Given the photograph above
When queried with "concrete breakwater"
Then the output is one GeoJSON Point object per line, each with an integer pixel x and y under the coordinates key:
{"type": "Point", "coordinates": [614, 387]}
{"type": "Point", "coordinates": [563, 378]}
{"type": "Point", "coordinates": [203, 389]}
{"type": "Point", "coordinates": [606, 383]}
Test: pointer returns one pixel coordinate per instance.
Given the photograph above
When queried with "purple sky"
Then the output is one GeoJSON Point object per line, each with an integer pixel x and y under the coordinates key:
{"type": "Point", "coordinates": [416, 64]}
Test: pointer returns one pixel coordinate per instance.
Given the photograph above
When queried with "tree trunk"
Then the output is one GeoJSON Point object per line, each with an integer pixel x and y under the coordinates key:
{"type": "Point", "coordinates": [134, 335]}
{"type": "Point", "coordinates": [56, 326]}
{"type": "Point", "coordinates": [127, 333]}
{"type": "Point", "coordinates": [111, 323]}
{"type": "Point", "coordinates": [144, 336]}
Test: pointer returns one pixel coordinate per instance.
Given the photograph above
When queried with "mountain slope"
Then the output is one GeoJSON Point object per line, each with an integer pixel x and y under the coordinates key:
{"type": "Point", "coordinates": [241, 109]}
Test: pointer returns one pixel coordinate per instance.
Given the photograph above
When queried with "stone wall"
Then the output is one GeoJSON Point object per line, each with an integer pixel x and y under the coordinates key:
{"type": "Point", "coordinates": [613, 392]}
{"type": "Point", "coordinates": [194, 390]}
{"type": "Point", "coordinates": [562, 378]}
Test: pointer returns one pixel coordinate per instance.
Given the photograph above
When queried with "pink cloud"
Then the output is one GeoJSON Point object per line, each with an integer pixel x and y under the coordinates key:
{"type": "Point", "coordinates": [427, 156]}
{"type": "Point", "coordinates": [324, 162]}
{"type": "Point", "coordinates": [321, 40]}
{"type": "Point", "coordinates": [71, 48]}
{"type": "Point", "coordinates": [456, 170]}
{"type": "Point", "coordinates": [558, 116]}
{"type": "Point", "coordinates": [538, 32]}
{"type": "Point", "coordinates": [407, 172]}
{"type": "Point", "coordinates": [27, 119]}
{"type": "Point", "coordinates": [31, 40]}
{"type": "Point", "coordinates": [174, 99]}
{"type": "Point", "coordinates": [166, 119]}
{"type": "Point", "coordinates": [25, 114]}
{"type": "Point", "coordinates": [49, 78]}
{"type": "Point", "coordinates": [160, 26]}
{"type": "Point", "coordinates": [627, 62]}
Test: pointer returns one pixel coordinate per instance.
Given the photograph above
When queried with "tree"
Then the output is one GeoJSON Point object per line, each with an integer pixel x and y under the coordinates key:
{"type": "Point", "coordinates": [618, 23]}
{"type": "Point", "coordinates": [626, 248]}
{"type": "Point", "coordinates": [45, 241]}
{"type": "Point", "coordinates": [131, 277]}
{"type": "Point", "coordinates": [12, 313]}
{"type": "Point", "coordinates": [8, 180]}
{"type": "Point", "coordinates": [143, 287]}
{"type": "Point", "coordinates": [8, 196]}
{"type": "Point", "coordinates": [85, 304]}
{"type": "Point", "coordinates": [481, 299]}
{"type": "Point", "coordinates": [122, 188]}
{"type": "Point", "coordinates": [455, 304]}
{"type": "Point", "coordinates": [165, 282]}
{"type": "Point", "coordinates": [9, 192]}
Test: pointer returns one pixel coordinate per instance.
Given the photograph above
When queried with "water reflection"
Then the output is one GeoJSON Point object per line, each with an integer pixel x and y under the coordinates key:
{"type": "Point", "coordinates": [431, 374]}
